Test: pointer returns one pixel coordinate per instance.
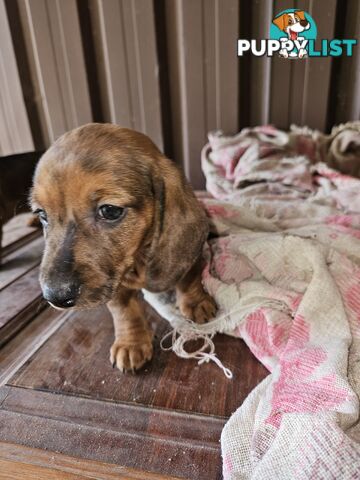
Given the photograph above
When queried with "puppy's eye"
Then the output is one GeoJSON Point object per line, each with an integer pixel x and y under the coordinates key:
{"type": "Point", "coordinates": [42, 215]}
{"type": "Point", "coordinates": [290, 21]}
{"type": "Point", "coordinates": [111, 212]}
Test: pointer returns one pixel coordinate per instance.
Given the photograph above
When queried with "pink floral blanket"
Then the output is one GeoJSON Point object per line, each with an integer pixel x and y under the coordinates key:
{"type": "Point", "coordinates": [284, 267]}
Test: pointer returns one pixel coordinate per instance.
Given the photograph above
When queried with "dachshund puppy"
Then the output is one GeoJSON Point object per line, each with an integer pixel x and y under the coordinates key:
{"type": "Point", "coordinates": [118, 216]}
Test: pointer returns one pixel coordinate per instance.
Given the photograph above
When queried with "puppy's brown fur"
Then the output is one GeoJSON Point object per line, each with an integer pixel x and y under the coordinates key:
{"type": "Point", "coordinates": [156, 246]}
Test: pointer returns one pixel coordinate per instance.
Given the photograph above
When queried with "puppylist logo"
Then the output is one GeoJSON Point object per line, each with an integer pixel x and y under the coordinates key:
{"type": "Point", "coordinates": [293, 29]}
{"type": "Point", "coordinates": [292, 35]}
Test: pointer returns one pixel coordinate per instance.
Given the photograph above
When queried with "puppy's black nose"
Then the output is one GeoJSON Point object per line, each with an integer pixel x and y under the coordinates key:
{"type": "Point", "coordinates": [64, 296]}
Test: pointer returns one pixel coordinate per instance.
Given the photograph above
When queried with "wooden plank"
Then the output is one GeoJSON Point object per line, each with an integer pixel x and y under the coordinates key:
{"type": "Point", "coordinates": [71, 431]}
{"type": "Point", "coordinates": [18, 462]}
{"type": "Point", "coordinates": [21, 261]}
{"type": "Point", "coordinates": [67, 398]}
{"type": "Point", "coordinates": [62, 395]}
{"type": "Point", "coordinates": [18, 350]}
{"type": "Point", "coordinates": [183, 428]}
{"type": "Point", "coordinates": [20, 302]}
{"type": "Point", "coordinates": [151, 439]}
{"type": "Point", "coordinates": [9, 470]}
{"type": "Point", "coordinates": [15, 134]}
{"type": "Point", "coordinates": [71, 356]}
{"type": "Point", "coordinates": [17, 296]}
{"type": "Point", "coordinates": [13, 243]}
{"type": "Point", "coordinates": [17, 228]}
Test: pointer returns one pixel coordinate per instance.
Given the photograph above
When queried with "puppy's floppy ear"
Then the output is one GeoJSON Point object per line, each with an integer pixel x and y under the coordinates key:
{"type": "Point", "coordinates": [180, 228]}
{"type": "Point", "coordinates": [301, 14]}
{"type": "Point", "coordinates": [280, 22]}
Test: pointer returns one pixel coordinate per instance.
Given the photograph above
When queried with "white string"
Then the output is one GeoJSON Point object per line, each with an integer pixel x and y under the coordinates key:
{"type": "Point", "coordinates": [185, 330]}
{"type": "Point", "coordinates": [178, 340]}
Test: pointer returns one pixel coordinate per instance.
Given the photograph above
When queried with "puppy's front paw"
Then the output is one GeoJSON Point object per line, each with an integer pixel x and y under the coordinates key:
{"type": "Point", "coordinates": [200, 312]}
{"type": "Point", "coordinates": [130, 357]}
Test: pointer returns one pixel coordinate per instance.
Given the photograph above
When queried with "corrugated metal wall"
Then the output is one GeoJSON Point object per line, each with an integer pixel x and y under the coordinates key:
{"type": "Point", "coordinates": [167, 68]}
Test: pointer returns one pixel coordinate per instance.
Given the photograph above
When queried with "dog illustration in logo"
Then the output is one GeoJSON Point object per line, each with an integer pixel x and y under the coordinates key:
{"type": "Point", "coordinates": [292, 24]}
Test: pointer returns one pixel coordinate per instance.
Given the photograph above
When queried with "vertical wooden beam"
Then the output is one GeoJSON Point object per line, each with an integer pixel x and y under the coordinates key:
{"type": "Point", "coordinates": [15, 134]}
{"type": "Point", "coordinates": [54, 49]}
{"type": "Point", "coordinates": [244, 65]}
{"type": "Point", "coordinates": [297, 81]}
{"type": "Point", "coordinates": [143, 67]}
{"type": "Point", "coordinates": [70, 63]}
{"type": "Point", "coordinates": [128, 64]}
{"type": "Point", "coordinates": [203, 68]}
{"type": "Point", "coordinates": [348, 93]}
{"type": "Point", "coordinates": [280, 81]}
{"type": "Point", "coordinates": [175, 96]}
{"type": "Point", "coordinates": [108, 23]}
{"type": "Point", "coordinates": [261, 68]}
{"type": "Point", "coordinates": [186, 49]}
{"type": "Point", "coordinates": [318, 70]}
{"type": "Point", "coordinates": [221, 25]}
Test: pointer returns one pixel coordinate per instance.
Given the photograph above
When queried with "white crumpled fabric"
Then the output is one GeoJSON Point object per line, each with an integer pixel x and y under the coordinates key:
{"type": "Point", "coordinates": [284, 268]}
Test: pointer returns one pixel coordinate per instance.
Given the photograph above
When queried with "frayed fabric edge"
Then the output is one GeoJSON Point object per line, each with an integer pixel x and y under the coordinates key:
{"type": "Point", "coordinates": [185, 330]}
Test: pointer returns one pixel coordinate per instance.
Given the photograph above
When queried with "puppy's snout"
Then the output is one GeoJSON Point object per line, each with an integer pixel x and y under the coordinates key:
{"type": "Point", "coordinates": [63, 296]}
{"type": "Point", "coordinates": [304, 23]}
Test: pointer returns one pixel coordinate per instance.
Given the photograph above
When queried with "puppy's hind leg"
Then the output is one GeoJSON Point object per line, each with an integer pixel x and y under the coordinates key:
{"type": "Point", "coordinates": [194, 303]}
{"type": "Point", "coordinates": [132, 347]}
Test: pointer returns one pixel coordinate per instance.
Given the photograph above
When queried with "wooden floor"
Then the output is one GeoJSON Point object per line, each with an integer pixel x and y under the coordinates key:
{"type": "Point", "coordinates": [60, 394]}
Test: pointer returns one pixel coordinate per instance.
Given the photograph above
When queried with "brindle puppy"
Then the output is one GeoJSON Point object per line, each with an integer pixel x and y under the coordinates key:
{"type": "Point", "coordinates": [118, 216]}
